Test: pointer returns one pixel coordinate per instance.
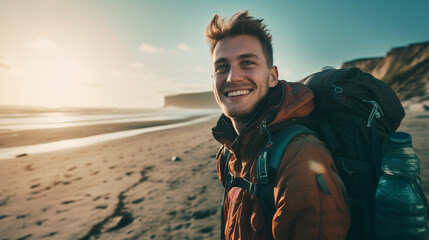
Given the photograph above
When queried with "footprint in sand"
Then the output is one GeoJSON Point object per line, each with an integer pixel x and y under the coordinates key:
{"type": "Point", "coordinates": [178, 227]}
{"type": "Point", "coordinates": [101, 207]}
{"type": "Point", "coordinates": [206, 230]}
{"type": "Point", "coordinates": [57, 183]}
{"type": "Point", "coordinates": [40, 222]}
{"type": "Point", "coordinates": [172, 213]}
{"type": "Point", "coordinates": [203, 189]}
{"type": "Point", "coordinates": [4, 201]}
{"type": "Point", "coordinates": [173, 184]}
{"type": "Point", "coordinates": [22, 216]}
{"type": "Point", "coordinates": [106, 197]}
{"type": "Point", "coordinates": [190, 198]}
{"type": "Point", "coordinates": [201, 214]}
{"type": "Point", "coordinates": [29, 168]}
{"type": "Point", "coordinates": [72, 168]}
{"type": "Point", "coordinates": [35, 185]}
{"type": "Point", "coordinates": [96, 198]}
{"type": "Point", "coordinates": [137, 201]}
{"type": "Point", "coordinates": [50, 234]}
{"type": "Point", "coordinates": [46, 208]}
{"type": "Point", "coordinates": [72, 180]}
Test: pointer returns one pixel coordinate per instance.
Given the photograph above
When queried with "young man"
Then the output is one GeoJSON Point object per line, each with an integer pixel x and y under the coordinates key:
{"type": "Point", "coordinates": [254, 104]}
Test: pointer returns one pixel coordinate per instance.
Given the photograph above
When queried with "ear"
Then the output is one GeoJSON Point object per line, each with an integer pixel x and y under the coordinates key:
{"type": "Point", "coordinates": [274, 76]}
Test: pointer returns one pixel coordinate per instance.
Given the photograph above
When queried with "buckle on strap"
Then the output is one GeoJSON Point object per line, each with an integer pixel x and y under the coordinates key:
{"type": "Point", "coordinates": [253, 188]}
{"type": "Point", "coordinates": [261, 170]}
{"type": "Point", "coordinates": [245, 184]}
{"type": "Point", "coordinates": [228, 179]}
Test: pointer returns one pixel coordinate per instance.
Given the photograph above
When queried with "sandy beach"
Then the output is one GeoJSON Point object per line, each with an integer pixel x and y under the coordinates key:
{"type": "Point", "coordinates": [130, 188]}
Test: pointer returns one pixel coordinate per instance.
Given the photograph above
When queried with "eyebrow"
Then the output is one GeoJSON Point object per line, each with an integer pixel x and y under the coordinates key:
{"type": "Point", "coordinates": [220, 60]}
{"type": "Point", "coordinates": [243, 56]}
{"type": "Point", "coordinates": [248, 55]}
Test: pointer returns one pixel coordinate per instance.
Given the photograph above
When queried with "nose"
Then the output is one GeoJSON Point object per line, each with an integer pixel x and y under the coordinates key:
{"type": "Point", "coordinates": [235, 74]}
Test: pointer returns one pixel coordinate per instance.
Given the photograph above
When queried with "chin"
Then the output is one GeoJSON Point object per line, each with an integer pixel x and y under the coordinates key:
{"type": "Point", "coordinates": [238, 113]}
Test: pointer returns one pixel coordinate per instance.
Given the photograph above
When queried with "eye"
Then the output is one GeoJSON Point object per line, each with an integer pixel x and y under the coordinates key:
{"type": "Point", "coordinates": [247, 63]}
{"type": "Point", "coordinates": [222, 68]}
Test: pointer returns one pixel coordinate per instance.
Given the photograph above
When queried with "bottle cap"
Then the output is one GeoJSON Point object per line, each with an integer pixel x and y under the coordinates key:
{"type": "Point", "coordinates": [400, 159]}
{"type": "Point", "coordinates": [400, 138]}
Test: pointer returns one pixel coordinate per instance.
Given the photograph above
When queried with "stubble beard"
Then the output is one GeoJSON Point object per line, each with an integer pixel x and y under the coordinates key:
{"type": "Point", "coordinates": [245, 118]}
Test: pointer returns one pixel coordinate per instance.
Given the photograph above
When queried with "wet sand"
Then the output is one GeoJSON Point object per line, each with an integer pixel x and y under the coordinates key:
{"type": "Point", "coordinates": [130, 188]}
{"type": "Point", "coordinates": [39, 136]}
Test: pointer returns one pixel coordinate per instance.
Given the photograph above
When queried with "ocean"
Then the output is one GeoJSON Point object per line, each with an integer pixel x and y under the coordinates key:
{"type": "Point", "coordinates": [22, 121]}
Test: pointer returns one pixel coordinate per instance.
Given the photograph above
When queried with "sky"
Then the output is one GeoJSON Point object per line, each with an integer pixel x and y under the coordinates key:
{"type": "Point", "coordinates": [130, 54]}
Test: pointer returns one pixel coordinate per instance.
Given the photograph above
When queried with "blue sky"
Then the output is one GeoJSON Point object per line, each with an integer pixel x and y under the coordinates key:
{"type": "Point", "coordinates": [130, 53]}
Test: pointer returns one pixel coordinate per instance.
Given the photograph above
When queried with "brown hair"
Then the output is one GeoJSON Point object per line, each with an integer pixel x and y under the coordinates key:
{"type": "Point", "coordinates": [237, 24]}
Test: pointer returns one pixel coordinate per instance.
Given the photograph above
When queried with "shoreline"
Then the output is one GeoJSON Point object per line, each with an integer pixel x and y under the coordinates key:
{"type": "Point", "coordinates": [104, 134]}
{"type": "Point", "coordinates": [39, 136]}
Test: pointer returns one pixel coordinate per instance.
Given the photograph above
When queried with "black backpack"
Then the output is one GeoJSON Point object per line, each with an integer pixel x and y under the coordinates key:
{"type": "Point", "coordinates": [354, 112]}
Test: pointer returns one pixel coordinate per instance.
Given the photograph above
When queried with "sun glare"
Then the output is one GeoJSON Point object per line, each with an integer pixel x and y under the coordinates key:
{"type": "Point", "coordinates": [57, 79]}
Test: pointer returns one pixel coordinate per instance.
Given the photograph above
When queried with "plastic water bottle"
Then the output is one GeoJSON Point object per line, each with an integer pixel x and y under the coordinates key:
{"type": "Point", "coordinates": [400, 205]}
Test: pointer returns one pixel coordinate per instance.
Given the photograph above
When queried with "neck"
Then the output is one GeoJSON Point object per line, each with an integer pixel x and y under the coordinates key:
{"type": "Point", "coordinates": [238, 125]}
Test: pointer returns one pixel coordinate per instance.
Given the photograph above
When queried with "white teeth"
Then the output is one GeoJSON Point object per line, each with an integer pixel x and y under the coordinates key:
{"type": "Point", "coordinates": [238, 93]}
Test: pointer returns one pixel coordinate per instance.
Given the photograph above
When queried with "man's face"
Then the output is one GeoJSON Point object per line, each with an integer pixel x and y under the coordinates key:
{"type": "Point", "coordinates": [241, 77]}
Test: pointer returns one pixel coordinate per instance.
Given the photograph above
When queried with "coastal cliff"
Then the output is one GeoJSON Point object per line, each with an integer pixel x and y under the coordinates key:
{"type": "Point", "coordinates": [405, 69]}
{"type": "Point", "coordinates": [191, 100]}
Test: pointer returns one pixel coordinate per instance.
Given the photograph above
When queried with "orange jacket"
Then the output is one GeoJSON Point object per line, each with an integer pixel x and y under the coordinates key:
{"type": "Point", "coordinates": [304, 211]}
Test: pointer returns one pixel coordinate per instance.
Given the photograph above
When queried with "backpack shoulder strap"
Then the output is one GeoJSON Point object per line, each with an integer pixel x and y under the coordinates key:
{"type": "Point", "coordinates": [282, 139]}
{"type": "Point", "coordinates": [270, 159]}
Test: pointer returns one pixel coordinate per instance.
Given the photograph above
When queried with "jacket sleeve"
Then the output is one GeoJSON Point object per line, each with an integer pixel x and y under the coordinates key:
{"type": "Point", "coordinates": [304, 209]}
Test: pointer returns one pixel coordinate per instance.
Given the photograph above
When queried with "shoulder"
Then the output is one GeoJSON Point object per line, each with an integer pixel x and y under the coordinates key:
{"type": "Point", "coordinates": [304, 153]}
{"type": "Point", "coordinates": [305, 143]}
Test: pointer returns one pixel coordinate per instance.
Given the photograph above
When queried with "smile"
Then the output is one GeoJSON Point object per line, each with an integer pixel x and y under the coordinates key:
{"type": "Point", "coordinates": [238, 93]}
